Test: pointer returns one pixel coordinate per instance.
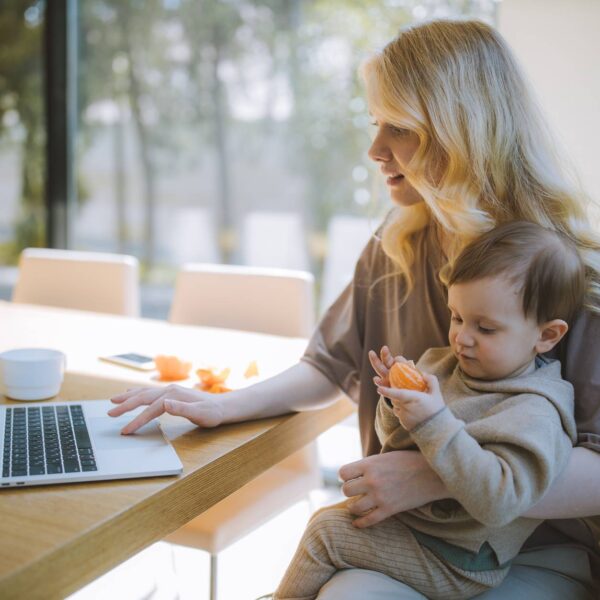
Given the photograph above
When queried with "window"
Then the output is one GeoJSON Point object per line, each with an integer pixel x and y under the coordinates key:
{"type": "Point", "coordinates": [231, 130]}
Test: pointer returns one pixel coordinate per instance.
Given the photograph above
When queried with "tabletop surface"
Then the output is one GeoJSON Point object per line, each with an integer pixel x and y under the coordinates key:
{"type": "Point", "coordinates": [55, 539]}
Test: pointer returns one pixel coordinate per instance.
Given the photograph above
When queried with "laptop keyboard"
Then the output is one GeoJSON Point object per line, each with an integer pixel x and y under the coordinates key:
{"type": "Point", "coordinates": [42, 440]}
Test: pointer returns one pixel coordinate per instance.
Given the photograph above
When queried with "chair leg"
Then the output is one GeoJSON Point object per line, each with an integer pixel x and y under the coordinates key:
{"type": "Point", "coordinates": [213, 577]}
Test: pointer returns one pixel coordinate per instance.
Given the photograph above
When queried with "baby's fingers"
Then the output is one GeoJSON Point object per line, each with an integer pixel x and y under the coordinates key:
{"type": "Point", "coordinates": [383, 390]}
{"type": "Point", "coordinates": [377, 364]}
{"type": "Point", "coordinates": [433, 385]}
{"type": "Point", "coordinates": [386, 357]}
{"type": "Point", "coordinates": [400, 397]}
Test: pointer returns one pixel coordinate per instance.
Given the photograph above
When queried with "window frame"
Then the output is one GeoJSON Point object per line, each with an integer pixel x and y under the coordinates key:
{"type": "Point", "coordinates": [60, 103]}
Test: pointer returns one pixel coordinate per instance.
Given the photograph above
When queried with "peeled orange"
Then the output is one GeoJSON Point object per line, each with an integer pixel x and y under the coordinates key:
{"type": "Point", "coordinates": [406, 376]}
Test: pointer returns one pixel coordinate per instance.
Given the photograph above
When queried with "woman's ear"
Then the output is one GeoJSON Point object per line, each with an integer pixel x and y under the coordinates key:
{"type": "Point", "coordinates": [550, 334]}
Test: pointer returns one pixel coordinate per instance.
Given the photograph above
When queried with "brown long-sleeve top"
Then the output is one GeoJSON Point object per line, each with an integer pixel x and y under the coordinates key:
{"type": "Point", "coordinates": [370, 313]}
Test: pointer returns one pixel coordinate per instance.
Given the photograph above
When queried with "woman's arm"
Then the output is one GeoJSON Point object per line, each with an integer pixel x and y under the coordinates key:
{"type": "Point", "coordinates": [575, 492]}
{"type": "Point", "coordinates": [301, 387]}
{"type": "Point", "coordinates": [385, 484]}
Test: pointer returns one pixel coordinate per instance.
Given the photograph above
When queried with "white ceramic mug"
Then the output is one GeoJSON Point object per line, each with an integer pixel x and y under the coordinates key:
{"type": "Point", "coordinates": [31, 373]}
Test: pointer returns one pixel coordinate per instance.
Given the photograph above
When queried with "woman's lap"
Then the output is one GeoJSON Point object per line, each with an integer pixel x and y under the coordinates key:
{"type": "Point", "coordinates": [565, 574]}
{"type": "Point", "coordinates": [357, 584]}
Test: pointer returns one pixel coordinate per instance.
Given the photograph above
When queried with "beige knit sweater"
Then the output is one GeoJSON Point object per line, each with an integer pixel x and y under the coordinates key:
{"type": "Point", "coordinates": [497, 446]}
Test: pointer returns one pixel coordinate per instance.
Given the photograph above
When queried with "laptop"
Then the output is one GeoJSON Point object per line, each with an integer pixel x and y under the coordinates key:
{"type": "Point", "coordinates": [64, 442]}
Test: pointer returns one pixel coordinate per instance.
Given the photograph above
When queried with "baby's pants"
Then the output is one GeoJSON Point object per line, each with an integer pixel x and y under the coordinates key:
{"type": "Point", "coordinates": [331, 543]}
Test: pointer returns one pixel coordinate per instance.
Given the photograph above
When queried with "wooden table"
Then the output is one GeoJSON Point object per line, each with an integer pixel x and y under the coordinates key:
{"type": "Point", "coordinates": [55, 539]}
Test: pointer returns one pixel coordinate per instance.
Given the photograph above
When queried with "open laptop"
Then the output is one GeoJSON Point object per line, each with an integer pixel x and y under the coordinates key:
{"type": "Point", "coordinates": [62, 442]}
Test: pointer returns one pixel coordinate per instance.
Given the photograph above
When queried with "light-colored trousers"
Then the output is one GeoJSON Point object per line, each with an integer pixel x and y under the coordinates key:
{"type": "Point", "coordinates": [331, 543]}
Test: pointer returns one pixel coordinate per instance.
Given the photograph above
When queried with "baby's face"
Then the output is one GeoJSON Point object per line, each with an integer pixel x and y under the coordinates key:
{"type": "Point", "coordinates": [489, 334]}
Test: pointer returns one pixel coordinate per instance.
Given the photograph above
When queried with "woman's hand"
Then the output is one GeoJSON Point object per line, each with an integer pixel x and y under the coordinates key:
{"type": "Point", "coordinates": [384, 484]}
{"type": "Point", "coordinates": [201, 408]}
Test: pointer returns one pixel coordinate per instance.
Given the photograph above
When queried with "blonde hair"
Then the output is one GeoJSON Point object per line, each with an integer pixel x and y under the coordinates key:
{"type": "Point", "coordinates": [485, 156]}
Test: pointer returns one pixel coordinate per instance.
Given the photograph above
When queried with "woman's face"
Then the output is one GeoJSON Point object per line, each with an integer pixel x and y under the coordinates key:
{"type": "Point", "coordinates": [393, 148]}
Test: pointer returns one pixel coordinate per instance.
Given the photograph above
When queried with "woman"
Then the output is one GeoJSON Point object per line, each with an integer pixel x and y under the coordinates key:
{"type": "Point", "coordinates": [463, 149]}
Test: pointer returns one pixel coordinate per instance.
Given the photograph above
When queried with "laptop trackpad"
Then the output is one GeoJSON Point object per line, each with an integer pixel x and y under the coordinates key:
{"type": "Point", "coordinates": [106, 434]}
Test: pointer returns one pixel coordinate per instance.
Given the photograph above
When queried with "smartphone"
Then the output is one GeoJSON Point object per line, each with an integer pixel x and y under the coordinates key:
{"type": "Point", "coordinates": [132, 360]}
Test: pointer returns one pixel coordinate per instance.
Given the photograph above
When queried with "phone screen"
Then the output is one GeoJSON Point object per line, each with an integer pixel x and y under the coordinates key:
{"type": "Point", "coordinates": [137, 358]}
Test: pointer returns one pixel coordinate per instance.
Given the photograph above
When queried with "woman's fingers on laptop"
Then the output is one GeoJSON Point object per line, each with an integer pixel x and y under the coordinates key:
{"type": "Point", "coordinates": [119, 398]}
{"type": "Point", "coordinates": [132, 393]}
{"type": "Point", "coordinates": [136, 398]}
{"type": "Point", "coordinates": [139, 396]}
{"type": "Point", "coordinates": [198, 407]}
{"type": "Point", "coordinates": [154, 410]}
{"type": "Point", "coordinates": [122, 397]}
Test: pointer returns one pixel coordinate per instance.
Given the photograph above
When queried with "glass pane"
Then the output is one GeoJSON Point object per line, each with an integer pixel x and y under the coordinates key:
{"type": "Point", "coordinates": [22, 135]}
{"type": "Point", "coordinates": [230, 131]}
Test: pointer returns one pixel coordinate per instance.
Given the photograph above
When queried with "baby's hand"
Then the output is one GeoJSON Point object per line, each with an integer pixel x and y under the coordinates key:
{"type": "Point", "coordinates": [411, 407]}
{"type": "Point", "coordinates": [382, 365]}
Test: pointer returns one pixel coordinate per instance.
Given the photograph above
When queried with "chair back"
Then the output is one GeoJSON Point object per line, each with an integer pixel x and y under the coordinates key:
{"type": "Point", "coordinates": [94, 281]}
{"type": "Point", "coordinates": [273, 301]}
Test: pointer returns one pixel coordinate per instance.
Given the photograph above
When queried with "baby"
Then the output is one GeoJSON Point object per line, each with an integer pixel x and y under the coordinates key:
{"type": "Point", "coordinates": [495, 423]}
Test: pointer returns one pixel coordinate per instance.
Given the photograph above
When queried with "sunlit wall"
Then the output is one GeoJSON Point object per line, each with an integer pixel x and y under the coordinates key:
{"type": "Point", "coordinates": [558, 45]}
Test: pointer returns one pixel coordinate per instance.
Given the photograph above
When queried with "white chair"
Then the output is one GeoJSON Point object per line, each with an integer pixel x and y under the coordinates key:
{"type": "Point", "coordinates": [93, 281]}
{"type": "Point", "coordinates": [275, 301]}
{"type": "Point", "coordinates": [269, 301]}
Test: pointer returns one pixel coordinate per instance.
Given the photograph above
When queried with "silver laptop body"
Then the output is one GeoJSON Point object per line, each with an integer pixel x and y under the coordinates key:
{"type": "Point", "coordinates": [58, 450]}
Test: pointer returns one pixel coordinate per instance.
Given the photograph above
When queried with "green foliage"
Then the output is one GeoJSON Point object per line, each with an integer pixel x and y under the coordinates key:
{"type": "Point", "coordinates": [181, 71]}
{"type": "Point", "coordinates": [21, 92]}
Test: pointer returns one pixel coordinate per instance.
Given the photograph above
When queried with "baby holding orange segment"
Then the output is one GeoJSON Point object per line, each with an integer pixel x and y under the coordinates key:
{"type": "Point", "coordinates": [491, 415]}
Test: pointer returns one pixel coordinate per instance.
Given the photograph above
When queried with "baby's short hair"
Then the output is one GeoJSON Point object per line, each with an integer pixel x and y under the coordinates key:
{"type": "Point", "coordinates": [545, 264]}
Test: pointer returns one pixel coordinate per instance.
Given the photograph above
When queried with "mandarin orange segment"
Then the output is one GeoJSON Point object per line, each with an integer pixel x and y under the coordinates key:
{"type": "Point", "coordinates": [251, 370]}
{"type": "Point", "coordinates": [171, 368]}
{"type": "Point", "coordinates": [213, 382]}
{"type": "Point", "coordinates": [406, 376]}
